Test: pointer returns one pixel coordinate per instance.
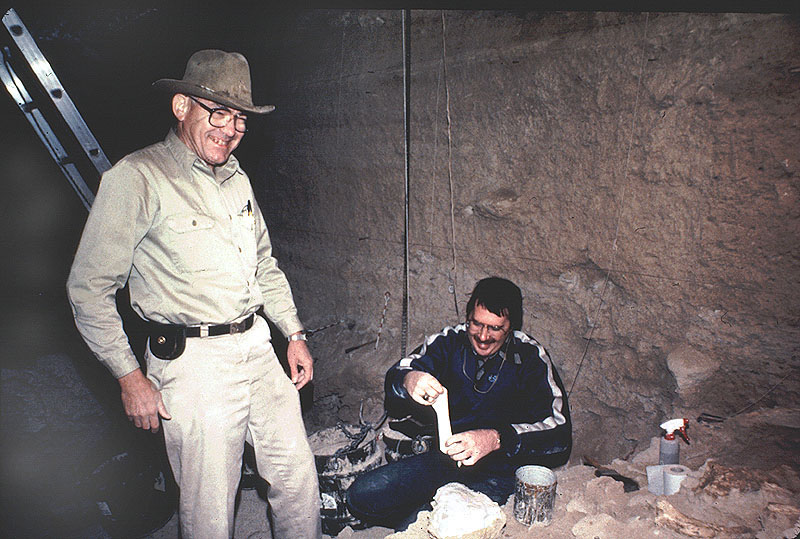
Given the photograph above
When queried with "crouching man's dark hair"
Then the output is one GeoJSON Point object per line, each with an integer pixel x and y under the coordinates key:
{"type": "Point", "coordinates": [500, 297]}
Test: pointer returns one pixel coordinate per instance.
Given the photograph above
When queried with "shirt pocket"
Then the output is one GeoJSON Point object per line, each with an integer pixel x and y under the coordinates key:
{"type": "Point", "coordinates": [246, 231]}
{"type": "Point", "coordinates": [194, 241]}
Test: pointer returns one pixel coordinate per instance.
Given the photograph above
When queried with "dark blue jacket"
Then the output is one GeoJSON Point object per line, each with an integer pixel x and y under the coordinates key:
{"type": "Point", "coordinates": [520, 395]}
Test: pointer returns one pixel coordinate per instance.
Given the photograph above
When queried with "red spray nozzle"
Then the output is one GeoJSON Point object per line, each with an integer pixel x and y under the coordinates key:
{"type": "Point", "coordinates": [676, 425]}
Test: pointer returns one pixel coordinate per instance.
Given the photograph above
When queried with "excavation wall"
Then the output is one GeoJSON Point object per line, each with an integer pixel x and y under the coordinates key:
{"type": "Point", "coordinates": [635, 174]}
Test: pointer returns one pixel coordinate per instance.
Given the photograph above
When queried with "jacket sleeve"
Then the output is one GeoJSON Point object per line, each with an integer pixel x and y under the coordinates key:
{"type": "Point", "coordinates": [546, 433]}
{"type": "Point", "coordinates": [430, 357]}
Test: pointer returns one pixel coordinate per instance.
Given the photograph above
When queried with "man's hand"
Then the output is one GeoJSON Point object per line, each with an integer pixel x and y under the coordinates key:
{"type": "Point", "coordinates": [471, 446]}
{"type": "Point", "coordinates": [301, 363]}
{"type": "Point", "coordinates": [142, 401]}
{"type": "Point", "coordinates": [423, 387]}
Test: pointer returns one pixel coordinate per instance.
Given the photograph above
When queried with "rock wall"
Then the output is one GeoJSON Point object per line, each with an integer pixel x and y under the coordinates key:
{"type": "Point", "coordinates": [635, 174]}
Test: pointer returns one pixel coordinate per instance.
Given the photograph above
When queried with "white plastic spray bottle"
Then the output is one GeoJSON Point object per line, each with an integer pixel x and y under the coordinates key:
{"type": "Point", "coordinates": [669, 449]}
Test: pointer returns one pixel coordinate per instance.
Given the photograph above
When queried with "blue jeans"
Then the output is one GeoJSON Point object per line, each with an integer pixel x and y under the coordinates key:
{"type": "Point", "coordinates": [393, 494]}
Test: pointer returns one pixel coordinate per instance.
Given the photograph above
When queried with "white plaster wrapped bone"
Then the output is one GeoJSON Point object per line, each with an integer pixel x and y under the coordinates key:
{"type": "Point", "coordinates": [459, 512]}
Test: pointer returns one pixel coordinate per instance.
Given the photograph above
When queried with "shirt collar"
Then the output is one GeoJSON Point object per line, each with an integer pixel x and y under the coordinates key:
{"type": "Point", "coordinates": [500, 354]}
{"type": "Point", "coordinates": [187, 159]}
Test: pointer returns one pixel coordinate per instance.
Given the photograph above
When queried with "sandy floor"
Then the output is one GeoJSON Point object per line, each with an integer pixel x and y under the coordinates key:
{"type": "Point", "coordinates": [56, 435]}
{"type": "Point", "coordinates": [715, 500]}
{"type": "Point", "coordinates": [592, 507]}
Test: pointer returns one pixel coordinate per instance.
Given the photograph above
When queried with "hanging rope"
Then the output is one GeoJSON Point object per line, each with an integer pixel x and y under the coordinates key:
{"type": "Point", "coordinates": [407, 121]}
{"type": "Point", "coordinates": [454, 269]}
{"type": "Point", "coordinates": [619, 212]}
{"type": "Point", "coordinates": [435, 167]}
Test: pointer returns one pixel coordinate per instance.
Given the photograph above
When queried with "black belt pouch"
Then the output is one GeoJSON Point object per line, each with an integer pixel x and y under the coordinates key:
{"type": "Point", "coordinates": [167, 341]}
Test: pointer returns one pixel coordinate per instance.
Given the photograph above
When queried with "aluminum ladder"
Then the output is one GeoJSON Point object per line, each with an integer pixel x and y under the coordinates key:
{"type": "Point", "coordinates": [32, 55]}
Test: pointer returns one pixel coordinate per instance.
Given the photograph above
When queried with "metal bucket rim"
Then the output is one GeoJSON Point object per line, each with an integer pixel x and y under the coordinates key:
{"type": "Point", "coordinates": [536, 475]}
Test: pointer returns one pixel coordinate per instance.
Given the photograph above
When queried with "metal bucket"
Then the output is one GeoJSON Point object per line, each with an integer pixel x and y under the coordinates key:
{"type": "Point", "coordinates": [535, 495]}
{"type": "Point", "coordinates": [340, 457]}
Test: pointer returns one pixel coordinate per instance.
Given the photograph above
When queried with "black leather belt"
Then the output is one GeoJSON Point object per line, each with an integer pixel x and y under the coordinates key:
{"type": "Point", "coordinates": [223, 329]}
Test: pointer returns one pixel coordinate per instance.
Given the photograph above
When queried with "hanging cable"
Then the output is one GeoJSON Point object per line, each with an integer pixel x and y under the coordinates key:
{"type": "Point", "coordinates": [454, 270]}
{"type": "Point", "coordinates": [619, 213]}
{"type": "Point", "coordinates": [407, 122]}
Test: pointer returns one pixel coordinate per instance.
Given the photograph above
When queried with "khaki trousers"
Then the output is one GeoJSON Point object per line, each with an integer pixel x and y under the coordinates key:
{"type": "Point", "coordinates": [220, 391]}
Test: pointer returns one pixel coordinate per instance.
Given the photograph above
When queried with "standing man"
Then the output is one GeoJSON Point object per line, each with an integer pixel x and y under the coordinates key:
{"type": "Point", "coordinates": [507, 405]}
{"type": "Point", "coordinates": [178, 221]}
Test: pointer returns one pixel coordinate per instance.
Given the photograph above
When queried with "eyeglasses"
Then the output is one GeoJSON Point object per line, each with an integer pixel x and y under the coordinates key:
{"type": "Point", "coordinates": [477, 328]}
{"type": "Point", "coordinates": [222, 116]}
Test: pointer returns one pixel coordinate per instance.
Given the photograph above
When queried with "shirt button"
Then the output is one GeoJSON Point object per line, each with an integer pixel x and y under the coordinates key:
{"type": "Point", "coordinates": [194, 222]}
{"type": "Point", "coordinates": [240, 249]}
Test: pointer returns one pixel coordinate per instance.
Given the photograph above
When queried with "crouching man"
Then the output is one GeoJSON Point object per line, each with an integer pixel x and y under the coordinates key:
{"type": "Point", "coordinates": [508, 408]}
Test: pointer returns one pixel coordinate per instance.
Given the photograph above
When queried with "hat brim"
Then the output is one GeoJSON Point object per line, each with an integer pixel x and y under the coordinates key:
{"type": "Point", "coordinates": [182, 87]}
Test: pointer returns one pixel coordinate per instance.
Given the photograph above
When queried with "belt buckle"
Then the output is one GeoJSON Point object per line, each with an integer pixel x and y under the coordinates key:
{"type": "Point", "coordinates": [237, 327]}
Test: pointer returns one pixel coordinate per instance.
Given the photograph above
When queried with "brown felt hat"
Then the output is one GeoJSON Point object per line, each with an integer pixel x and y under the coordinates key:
{"type": "Point", "coordinates": [222, 77]}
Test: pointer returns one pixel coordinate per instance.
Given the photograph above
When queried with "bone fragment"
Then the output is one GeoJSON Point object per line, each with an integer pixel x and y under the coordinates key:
{"type": "Point", "coordinates": [442, 409]}
{"type": "Point", "coordinates": [671, 518]}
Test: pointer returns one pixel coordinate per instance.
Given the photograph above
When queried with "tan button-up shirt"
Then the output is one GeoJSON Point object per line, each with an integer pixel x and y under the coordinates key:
{"type": "Point", "coordinates": [190, 240]}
